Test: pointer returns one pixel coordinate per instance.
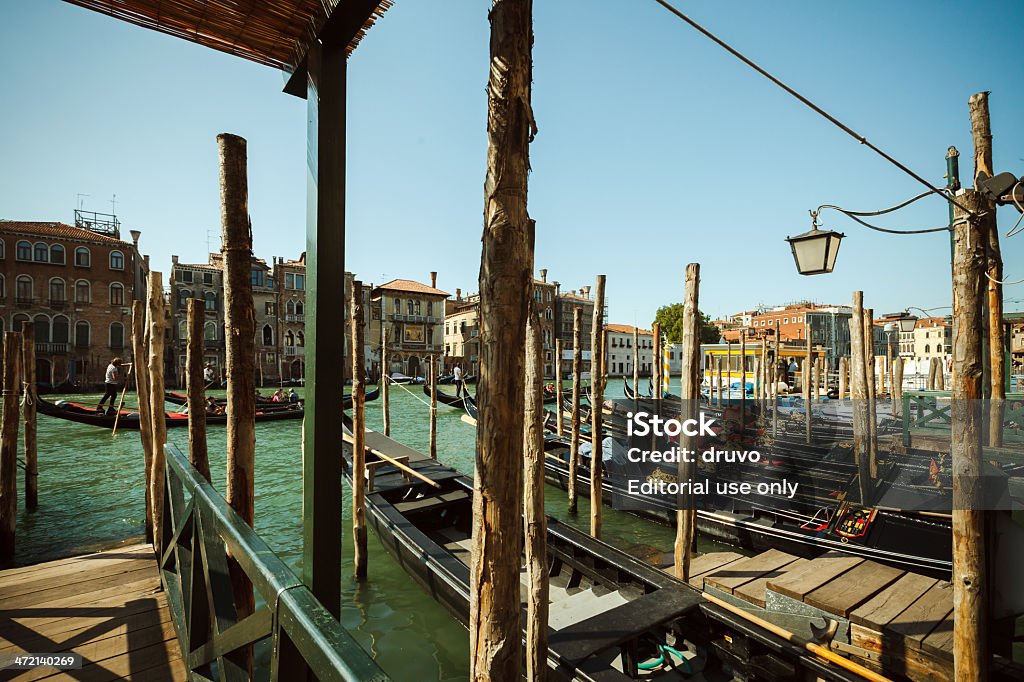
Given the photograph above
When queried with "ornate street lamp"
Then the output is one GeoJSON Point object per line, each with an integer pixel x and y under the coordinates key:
{"type": "Point", "coordinates": [815, 251]}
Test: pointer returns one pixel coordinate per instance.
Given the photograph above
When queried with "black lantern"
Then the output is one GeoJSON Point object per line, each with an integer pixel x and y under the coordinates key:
{"type": "Point", "coordinates": [815, 251]}
{"type": "Point", "coordinates": [907, 322]}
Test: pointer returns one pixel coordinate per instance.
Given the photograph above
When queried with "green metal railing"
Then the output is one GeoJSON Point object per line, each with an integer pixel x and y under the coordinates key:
{"type": "Point", "coordinates": [200, 531]}
{"type": "Point", "coordinates": [932, 410]}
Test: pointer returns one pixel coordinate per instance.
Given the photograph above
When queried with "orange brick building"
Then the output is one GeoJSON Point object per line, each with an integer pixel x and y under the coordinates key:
{"type": "Point", "coordinates": [76, 285]}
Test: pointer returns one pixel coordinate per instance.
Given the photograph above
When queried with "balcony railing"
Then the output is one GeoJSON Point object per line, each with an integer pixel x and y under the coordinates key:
{"type": "Point", "coordinates": [24, 300]}
{"type": "Point", "coordinates": [58, 303]}
{"type": "Point", "coordinates": [200, 532]}
{"type": "Point", "coordinates": [294, 318]}
{"type": "Point", "coordinates": [51, 348]}
{"type": "Point", "coordinates": [213, 343]}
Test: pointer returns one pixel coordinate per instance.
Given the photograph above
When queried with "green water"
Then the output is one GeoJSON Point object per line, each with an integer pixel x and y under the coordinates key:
{"type": "Point", "coordinates": [91, 495]}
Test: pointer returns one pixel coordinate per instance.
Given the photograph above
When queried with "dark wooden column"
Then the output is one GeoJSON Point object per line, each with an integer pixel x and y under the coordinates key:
{"type": "Point", "coordinates": [325, 328]}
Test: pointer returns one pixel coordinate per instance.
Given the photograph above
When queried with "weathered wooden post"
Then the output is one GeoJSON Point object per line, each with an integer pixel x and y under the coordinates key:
{"type": "Point", "coordinates": [385, 380]}
{"type": "Point", "coordinates": [196, 383]}
{"type": "Point", "coordinates": [858, 394]}
{"type": "Point", "coordinates": [869, 365]}
{"type": "Point", "coordinates": [577, 371]}
{"type": "Point", "coordinates": [240, 333]}
{"type": "Point", "coordinates": [28, 411]}
{"type": "Point", "coordinates": [535, 523]}
{"type": "Point", "coordinates": [806, 379]}
{"type": "Point", "coordinates": [433, 409]}
{"type": "Point", "coordinates": [636, 361]}
{"type": "Point", "coordinates": [775, 387]}
{"type": "Point", "coordinates": [506, 270]}
{"type": "Point", "coordinates": [981, 131]}
{"type": "Point", "coordinates": [743, 381]}
{"type": "Point", "coordinates": [843, 368]}
{"type": "Point", "coordinates": [970, 569]}
{"type": "Point", "coordinates": [656, 369]}
{"type": "Point", "coordinates": [597, 381]}
{"type": "Point", "coordinates": [9, 444]}
{"type": "Point", "coordinates": [359, 427]}
{"type": "Point", "coordinates": [140, 356]}
{"type": "Point", "coordinates": [718, 378]}
{"type": "Point", "coordinates": [689, 391]}
{"type": "Point", "coordinates": [728, 370]}
{"type": "Point", "coordinates": [897, 387]}
{"type": "Point", "coordinates": [559, 406]}
{"type": "Point", "coordinates": [157, 413]}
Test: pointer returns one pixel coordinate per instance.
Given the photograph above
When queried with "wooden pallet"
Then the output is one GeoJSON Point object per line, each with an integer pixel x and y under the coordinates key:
{"type": "Point", "coordinates": [106, 606]}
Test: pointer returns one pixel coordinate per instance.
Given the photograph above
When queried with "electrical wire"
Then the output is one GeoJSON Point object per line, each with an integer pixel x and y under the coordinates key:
{"type": "Point", "coordinates": [1003, 281]}
{"type": "Point", "coordinates": [853, 216]}
{"type": "Point", "coordinates": [814, 107]}
{"type": "Point", "coordinates": [1017, 226]}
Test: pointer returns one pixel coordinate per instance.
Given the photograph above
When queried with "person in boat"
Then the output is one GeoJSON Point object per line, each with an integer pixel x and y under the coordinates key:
{"type": "Point", "coordinates": [457, 380]}
{"type": "Point", "coordinates": [293, 397]}
{"type": "Point", "coordinates": [278, 395]}
{"type": "Point", "coordinates": [209, 374]}
{"type": "Point", "coordinates": [212, 407]}
{"type": "Point", "coordinates": [110, 383]}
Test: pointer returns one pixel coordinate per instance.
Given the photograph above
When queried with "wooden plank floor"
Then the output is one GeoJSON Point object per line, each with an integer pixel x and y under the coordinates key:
{"type": "Point", "coordinates": [106, 606]}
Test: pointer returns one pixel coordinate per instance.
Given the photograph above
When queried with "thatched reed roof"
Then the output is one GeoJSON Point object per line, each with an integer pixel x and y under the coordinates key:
{"type": "Point", "coordinates": [271, 32]}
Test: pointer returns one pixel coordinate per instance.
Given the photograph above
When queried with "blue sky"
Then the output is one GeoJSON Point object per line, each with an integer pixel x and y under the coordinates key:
{"type": "Point", "coordinates": [656, 148]}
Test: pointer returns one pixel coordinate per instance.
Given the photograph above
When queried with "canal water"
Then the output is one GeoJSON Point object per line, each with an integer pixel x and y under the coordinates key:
{"type": "Point", "coordinates": [91, 495]}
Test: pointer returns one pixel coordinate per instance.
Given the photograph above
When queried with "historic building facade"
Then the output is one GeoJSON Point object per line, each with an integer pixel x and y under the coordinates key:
{"type": "Point", "coordinates": [413, 315]}
{"type": "Point", "coordinates": [205, 282]}
{"type": "Point", "coordinates": [76, 285]}
{"type": "Point", "coordinates": [618, 344]}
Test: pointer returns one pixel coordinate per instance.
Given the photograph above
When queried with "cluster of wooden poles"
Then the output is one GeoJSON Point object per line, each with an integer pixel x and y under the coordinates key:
{"type": "Point", "coordinates": [19, 382]}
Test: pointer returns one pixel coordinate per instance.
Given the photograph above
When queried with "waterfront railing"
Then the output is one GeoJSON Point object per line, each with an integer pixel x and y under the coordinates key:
{"type": "Point", "coordinates": [200, 532]}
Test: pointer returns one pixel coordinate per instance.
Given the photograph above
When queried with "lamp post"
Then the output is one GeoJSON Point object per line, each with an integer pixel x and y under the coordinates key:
{"type": "Point", "coordinates": [815, 251]}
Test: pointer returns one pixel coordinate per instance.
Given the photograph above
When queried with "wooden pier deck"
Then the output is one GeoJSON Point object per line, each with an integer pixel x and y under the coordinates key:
{"type": "Point", "coordinates": [106, 606]}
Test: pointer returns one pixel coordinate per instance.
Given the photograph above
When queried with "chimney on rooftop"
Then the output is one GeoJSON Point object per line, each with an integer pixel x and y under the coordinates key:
{"type": "Point", "coordinates": [135, 237]}
{"type": "Point", "coordinates": [433, 280]}
{"type": "Point", "coordinates": [458, 294]}
{"type": "Point", "coordinates": [174, 260]}
{"type": "Point", "coordinates": [544, 275]}
{"type": "Point", "coordinates": [587, 290]}
{"type": "Point", "coordinates": [558, 289]}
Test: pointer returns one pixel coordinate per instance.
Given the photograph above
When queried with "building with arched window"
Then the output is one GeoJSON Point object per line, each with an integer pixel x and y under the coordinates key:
{"type": "Point", "coordinates": [80, 308]}
{"type": "Point", "coordinates": [415, 337]}
{"type": "Point", "coordinates": [204, 282]}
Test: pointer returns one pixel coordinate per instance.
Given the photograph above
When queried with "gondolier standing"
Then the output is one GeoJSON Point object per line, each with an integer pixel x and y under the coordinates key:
{"type": "Point", "coordinates": [110, 382]}
{"type": "Point", "coordinates": [457, 374]}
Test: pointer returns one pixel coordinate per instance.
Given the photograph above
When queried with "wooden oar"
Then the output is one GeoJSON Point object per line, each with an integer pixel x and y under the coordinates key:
{"type": "Point", "coordinates": [394, 462]}
{"type": "Point", "coordinates": [127, 380]}
{"type": "Point", "coordinates": [815, 649]}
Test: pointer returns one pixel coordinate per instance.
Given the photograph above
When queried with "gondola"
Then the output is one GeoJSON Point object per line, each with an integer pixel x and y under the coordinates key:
{"type": "Point", "coordinates": [448, 399]}
{"type": "Point", "coordinates": [449, 379]}
{"type": "Point", "coordinates": [346, 401]}
{"type": "Point", "coordinates": [129, 419]}
{"type": "Point", "coordinates": [609, 612]}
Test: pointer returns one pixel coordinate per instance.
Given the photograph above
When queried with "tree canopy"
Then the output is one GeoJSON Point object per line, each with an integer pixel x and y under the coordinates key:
{"type": "Point", "coordinates": [670, 317]}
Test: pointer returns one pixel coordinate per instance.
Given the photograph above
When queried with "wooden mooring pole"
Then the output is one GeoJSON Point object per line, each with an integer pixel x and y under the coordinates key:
{"type": "Point", "coordinates": [970, 565]}
{"type": "Point", "coordinates": [775, 386]}
{"type": "Point", "coordinates": [656, 368]}
{"type": "Point", "coordinates": [897, 387]}
{"type": "Point", "coordinates": [636, 361]}
{"type": "Point", "coordinates": [433, 408]}
{"type": "Point", "coordinates": [743, 381]}
{"type": "Point", "coordinates": [240, 333]}
{"type": "Point", "coordinates": [535, 523]}
{"type": "Point", "coordinates": [858, 394]}
{"type": "Point", "coordinates": [506, 271]}
{"type": "Point", "coordinates": [597, 381]}
{"type": "Point", "coordinates": [9, 444]}
{"type": "Point", "coordinates": [843, 368]}
{"type": "Point", "coordinates": [689, 392]}
{"type": "Point", "coordinates": [157, 412]}
{"type": "Point", "coordinates": [28, 413]}
{"type": "Point", "coordinates": [359, 427]}
{"type": "Point", "coordinates": [197, 447]}
{"type": "Point", "coordinates": [574, 438]}
{"type": "Point", "coordinates": [140, 355]}
{"type": "Point", "coordinates": [559, 406]}
{"type": "Point", "coordinates": [870, 374]}
{"type": "Point", "coordinates": [808, 398]}
{"type": "Point", "coordinates": [981, 131]}
{"type": "Point", "coordinates": [385, 380]}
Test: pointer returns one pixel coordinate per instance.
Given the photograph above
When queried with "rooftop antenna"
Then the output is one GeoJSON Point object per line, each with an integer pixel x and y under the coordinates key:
{"type": "Point", "coordinates": [113, 205]}
{"type": "Point", "coordinates": [208, 240]}
{"type": "Point", "coordinates": [79, 198]}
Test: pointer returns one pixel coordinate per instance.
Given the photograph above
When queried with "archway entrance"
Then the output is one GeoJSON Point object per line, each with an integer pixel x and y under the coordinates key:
{"type": "Point", "coordinates": [414, 366]}
{"type": "Point", "coordinates": [296, 369]}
